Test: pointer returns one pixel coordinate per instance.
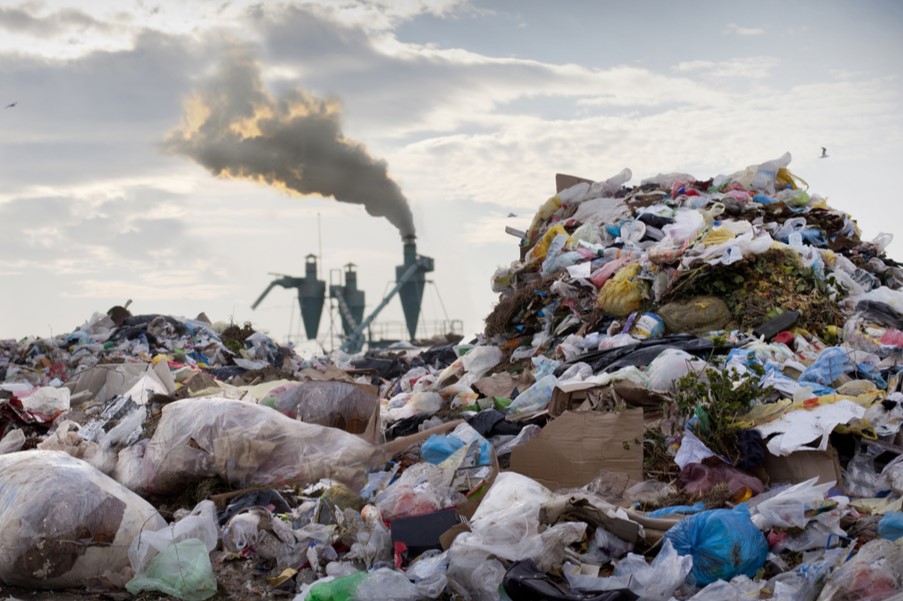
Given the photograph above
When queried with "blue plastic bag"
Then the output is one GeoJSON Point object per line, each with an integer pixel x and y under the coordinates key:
{"type": "Point", "coordinates": [440, 447]}
{"type": "Point", "coordinates": [830, 364]}
{"type": "Point", "coordinates": [723, 543]}
{"type": "Point", "coordinates": [891, 526]}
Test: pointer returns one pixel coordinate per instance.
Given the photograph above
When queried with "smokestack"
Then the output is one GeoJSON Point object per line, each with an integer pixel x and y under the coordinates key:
{"type": "Point", "coordinates": [411, 293]}
{"type": "Point", "coordinates": [235, 128]}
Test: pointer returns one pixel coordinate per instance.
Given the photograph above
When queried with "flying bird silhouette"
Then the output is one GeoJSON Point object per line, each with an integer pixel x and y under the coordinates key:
{"type": "Point", "coordinates": [824, 153]}
{"type": "Point", "coordinates": [11, 105]}
{"type": "Point", "coordinates": [511, 215]}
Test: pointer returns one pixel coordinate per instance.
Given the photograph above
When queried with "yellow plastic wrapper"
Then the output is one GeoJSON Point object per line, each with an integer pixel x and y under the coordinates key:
{"type": "Point", "coordinates": [545, 211]}
{"type": "Point", "coordinates": [623, 293]}
{"type": "Point", "coordinates": [538, 252]}
{"type": "Point", "coordinates": [719, 235]}
{"type": "Point", "coordinates": [785, 178]}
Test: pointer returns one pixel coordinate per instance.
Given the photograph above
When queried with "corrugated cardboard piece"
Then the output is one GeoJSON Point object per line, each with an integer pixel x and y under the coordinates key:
{"type": "Point", "coordinates": [803, 465]}
{"type": "Point", "coordinates": [576, 446]}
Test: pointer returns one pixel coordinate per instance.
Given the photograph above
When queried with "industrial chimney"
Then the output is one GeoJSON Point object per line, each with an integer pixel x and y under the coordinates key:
{"type": "Point", "coordinates": [411, 291]}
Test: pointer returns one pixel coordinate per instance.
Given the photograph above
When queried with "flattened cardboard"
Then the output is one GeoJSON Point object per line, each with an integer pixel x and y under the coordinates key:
{"type": "Point", "coordinates": [572, 449]}
{"type": "Point", "coordinates": [803, 465]}
{"type": "Point", "coordinates": [573, 396]}
{"type": "Point", "coordinates": [563, 182]}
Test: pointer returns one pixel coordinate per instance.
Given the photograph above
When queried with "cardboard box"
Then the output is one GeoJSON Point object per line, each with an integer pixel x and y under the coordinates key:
{"type": "Point", "coordinates": [572, 449]}
{"type": "Point", "coordinates": [803, 465]}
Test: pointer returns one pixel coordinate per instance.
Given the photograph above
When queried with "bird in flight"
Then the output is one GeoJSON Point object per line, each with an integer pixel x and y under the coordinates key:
{"type": "Point", "coordinates": [511, 215]}
{"type": "Point", "coordinates": [824, 153]}
{"type": "Point", "coordinates": [11, 105]}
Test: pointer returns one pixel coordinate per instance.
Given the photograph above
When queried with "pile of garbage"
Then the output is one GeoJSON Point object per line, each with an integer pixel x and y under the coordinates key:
{"type": "Point", "coordinates": [689, 389]}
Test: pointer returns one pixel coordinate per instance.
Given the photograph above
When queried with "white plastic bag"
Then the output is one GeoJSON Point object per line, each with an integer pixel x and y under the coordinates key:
{"type": "Point", "coordinates": [201, 524]}
{"type": "Point", "coordinates": [63, 523]}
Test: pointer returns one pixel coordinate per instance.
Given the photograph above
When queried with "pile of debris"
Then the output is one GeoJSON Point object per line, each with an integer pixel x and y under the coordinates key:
{"type": "Point", "coordinates": [688, 389]}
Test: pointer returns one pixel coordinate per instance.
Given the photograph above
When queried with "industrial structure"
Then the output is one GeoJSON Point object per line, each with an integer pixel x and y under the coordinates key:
{"type": "Point", "coordinates": [410, 281]}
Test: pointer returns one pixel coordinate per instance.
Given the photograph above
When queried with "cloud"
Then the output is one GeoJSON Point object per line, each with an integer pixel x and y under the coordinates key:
{"type": "Point", "coordinates": [19, 20]}
{"type": "Point", "coordinates": [106, 109]}
{"type": "Point", "coordinates": [751, 67]}
{"type": "Point", "coordinates": [92, 235]}
{"type": "Point", "coordinates": [393, 88]}
{"type": "Point", "coordinates": [374, 15]}
{"type": "Point", "coordinates": [743, 31]}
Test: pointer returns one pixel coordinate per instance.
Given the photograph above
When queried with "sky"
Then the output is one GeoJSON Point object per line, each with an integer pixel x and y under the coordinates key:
{"type": "Point", "coordinates": [180, 153]}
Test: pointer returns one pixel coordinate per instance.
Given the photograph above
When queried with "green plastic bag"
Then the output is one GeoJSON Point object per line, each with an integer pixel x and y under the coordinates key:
{"type": "Point", "coordinates": [182, 570]}
{"type": "Point", "coordinates": [340, 589]}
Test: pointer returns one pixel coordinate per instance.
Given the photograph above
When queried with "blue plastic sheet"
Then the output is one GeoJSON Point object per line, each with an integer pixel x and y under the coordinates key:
{"type": "Point", "coordinates": [891, 526]}
{"type": "Point", "coordinates": [723, 543]}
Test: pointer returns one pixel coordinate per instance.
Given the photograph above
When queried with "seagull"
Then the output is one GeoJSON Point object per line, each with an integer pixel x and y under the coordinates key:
{"type": "Point", "coordinates": [11, 105]}
{"type": "Point", "coordinates": [824, 153]}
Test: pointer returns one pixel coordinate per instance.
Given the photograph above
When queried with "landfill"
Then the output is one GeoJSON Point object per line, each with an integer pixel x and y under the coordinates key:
{"type": "Point", "coordinates": [688, 389]}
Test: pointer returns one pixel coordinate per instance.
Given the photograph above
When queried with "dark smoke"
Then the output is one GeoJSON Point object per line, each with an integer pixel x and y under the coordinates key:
{"type": "Point", "coordinates": [235, 128]}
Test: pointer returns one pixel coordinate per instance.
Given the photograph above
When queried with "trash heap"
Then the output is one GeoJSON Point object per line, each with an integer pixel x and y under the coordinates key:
{"type": "Point", "coordinates": [688, 389]}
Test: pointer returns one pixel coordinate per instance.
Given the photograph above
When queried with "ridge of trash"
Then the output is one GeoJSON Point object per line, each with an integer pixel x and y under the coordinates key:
{"type": "Point", "coordinates": [688, 389]}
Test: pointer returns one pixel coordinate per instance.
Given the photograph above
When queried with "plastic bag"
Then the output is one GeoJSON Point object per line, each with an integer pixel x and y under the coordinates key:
{"type": "Point", "coordinates": [696, 315]}
{"type": "Point", "coordinates": [472, 574]}
{"type": "Point", "coordinates": [698, 480]}
{"type": "Point", "coordinates": [793, 507]}
{"type": "Point", "coordinates": [12, 441]}
{"type": "Point", "coordinates": [652, 582]}
{"type": "Point", "coordinates": [182, 570]}
{"type": "Point", "coordinates": [422, 488]}
{"type": "Point", "coordinates": [480, 360]}
{"type": "Point", "coordinates": [506, 523]}
{"type": "Point", "coordinates": [428, 572]}
{"type": "Point", "coordinates": [242, 443]}
{"type": "Point", "coordinates": [200, 524]}
{"type": "Point", "coordinates": [740, 588]}
{"type": "Point", "coordinates": [385, 583]}
{"type": "Point", "coordinates": [670, 366]}
{"type": "Point", "coordinates": [874, 574]}
{"type": "Point", "coordinates": [334, 404]}
{"type": "Point", "coordinates": [534, 398]}
{"type": "Point", "coordinates": [724, 543]}
{"type": "Point", "coordinates": [891, 526]}
{"type": "Point", "coordinates": [623, 293]}
{"type": "Point", "coordinates": [335, 589]}
{"type": "Point", "coordinates": [538, 253]}
{"type": "Point", "coordinates": [255, 532]}
{"type": "Point", "coordinates": [687, 225]}
{"type": "Point", "coordinates": [763, 176]}
{"type": "Point", "coordinates": [63, 523]}
{"type": "Point", "coordinates": [893, 474]}
{"type": "Point", "coordinates": [420, 402]}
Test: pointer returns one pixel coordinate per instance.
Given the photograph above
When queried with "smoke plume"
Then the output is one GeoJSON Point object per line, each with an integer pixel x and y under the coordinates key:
{"type": "Point", "coordinates": [235, 128]}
